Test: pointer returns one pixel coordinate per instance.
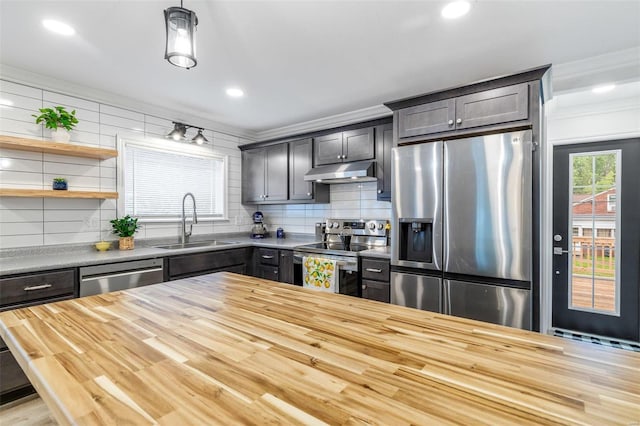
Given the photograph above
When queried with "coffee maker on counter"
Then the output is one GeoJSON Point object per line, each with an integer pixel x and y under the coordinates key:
{"type": "Point", "coordinates": [258, 230]}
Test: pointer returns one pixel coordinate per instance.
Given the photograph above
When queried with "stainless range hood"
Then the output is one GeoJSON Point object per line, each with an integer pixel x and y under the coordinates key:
{"type": "Point", "coordinates": [358, 171]}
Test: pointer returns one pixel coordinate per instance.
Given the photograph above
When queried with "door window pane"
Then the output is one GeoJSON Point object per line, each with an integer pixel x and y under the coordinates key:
{"type": "Point", "coordinates": [593, 265]}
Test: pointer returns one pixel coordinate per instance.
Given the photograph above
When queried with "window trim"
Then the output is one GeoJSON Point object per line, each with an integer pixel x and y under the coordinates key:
{"type": "Point", "coordinates": [162, 145]}
{"type": "Point", "coordinates": [611, 205]}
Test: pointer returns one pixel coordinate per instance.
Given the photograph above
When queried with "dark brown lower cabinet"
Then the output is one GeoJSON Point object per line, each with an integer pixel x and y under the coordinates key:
{"type": "Point", "coordinates": [190, 265]}
{"type": "Point", "coordinates": [273, 264]}
{"type": "Point", "coordinates": [375, 284]}
{"type": "Point", "coordinates": [22, 291]}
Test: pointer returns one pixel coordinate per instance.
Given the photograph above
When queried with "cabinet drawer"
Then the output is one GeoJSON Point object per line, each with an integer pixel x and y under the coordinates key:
{"type": "Point", "coordinates": [11, 375]}
{"type": "Point", "coordinates": [268, 272]}
{"type": "Point", "coordinates": [36, 286]}
{"type": "Point", "coordinates": [375, 290]}
{"type": "Point", "coordinates": [424, 119]}
{"type": "Point", "coordinates": [495, 106]}
{"type": "Point", "coordinates": [268, 256]}
{"type": "Point", "coordinates": [204, 262]}
{"type": "Point", "coordinates": [375, 269]}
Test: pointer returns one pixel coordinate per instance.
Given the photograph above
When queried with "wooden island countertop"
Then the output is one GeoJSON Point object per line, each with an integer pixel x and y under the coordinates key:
{"type": "Point", "coordinates": [231, 349]}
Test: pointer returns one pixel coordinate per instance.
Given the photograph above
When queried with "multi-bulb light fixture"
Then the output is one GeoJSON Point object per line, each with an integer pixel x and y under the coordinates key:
{"type": "Point", "coordinates": [180, 130]}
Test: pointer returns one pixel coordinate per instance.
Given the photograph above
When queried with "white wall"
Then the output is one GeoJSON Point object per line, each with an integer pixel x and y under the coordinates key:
{"type": "Point", "coordinates": [38, 221]}
{"type": "Point", "coordinates": [348, 201]}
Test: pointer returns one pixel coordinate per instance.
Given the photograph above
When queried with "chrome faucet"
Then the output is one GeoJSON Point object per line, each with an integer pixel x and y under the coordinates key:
{"type": "Point", "coordinates": [185, 234]}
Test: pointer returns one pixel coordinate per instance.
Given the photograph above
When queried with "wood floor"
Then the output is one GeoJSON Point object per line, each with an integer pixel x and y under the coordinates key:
{"type": "Point", "coordinates": [28, 411]}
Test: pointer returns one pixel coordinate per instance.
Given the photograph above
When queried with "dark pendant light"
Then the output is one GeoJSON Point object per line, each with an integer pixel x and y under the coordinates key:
{"type": "Point", "coordinates": [199, 138]}
{"type": "Point", "coordinates": [181, 36]}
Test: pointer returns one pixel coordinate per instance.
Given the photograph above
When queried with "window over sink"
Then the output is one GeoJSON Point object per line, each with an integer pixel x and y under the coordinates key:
{"type": "Point", "coordinates": [155, 175]}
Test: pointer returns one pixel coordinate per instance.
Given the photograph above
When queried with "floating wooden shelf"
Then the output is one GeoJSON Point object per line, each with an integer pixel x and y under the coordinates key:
{"type": "Point", "coordinates": [34, 145]}
{"type": "Point", "coordinates": [50, 193]}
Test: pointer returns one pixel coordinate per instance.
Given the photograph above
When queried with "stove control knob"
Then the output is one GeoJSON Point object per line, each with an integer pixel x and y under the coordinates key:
{"type": "Point", "coordinates": [372, 226]}
{"type": "Point", "coordinates": [329, 225]}
{"type": "Point", "coordinates": [336, 225]}
{"type": "Point", "coordinates": [380, 226]}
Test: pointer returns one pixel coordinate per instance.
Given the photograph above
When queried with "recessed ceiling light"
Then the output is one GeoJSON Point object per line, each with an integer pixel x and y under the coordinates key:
{"type": "Point", "coordinates": [235, 92]}
{"type": "Point", "coordinates": [455, 9]}
{"type": "Point", "coordinates": [58, 27]}
{"type": "Point", "coordinates": [604, 88]}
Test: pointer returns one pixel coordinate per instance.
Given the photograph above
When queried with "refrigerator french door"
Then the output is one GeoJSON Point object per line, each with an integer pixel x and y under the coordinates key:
{"type": "Point", "coordinates": [476, 193]}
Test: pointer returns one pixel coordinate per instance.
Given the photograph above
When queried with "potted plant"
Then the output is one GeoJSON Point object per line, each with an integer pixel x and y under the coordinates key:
{"type": "Point", "coordinates": [60, 184]}
{"type": "Point", "coordinates": [125, 227]}
{"type": "Point", "coordinates": [59, 120]}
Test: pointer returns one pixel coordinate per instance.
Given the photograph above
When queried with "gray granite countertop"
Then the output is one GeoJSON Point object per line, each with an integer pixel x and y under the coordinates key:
{"type": "Point", "coordinates": [381, 252]}
{"type": "Point", "coordinates": [15, 261]}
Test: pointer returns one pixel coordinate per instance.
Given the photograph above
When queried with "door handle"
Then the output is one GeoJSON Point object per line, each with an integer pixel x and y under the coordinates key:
{"type": "Point", "coordinates": [37, 287]}
{"type": "Point", "coordinates": [558, 251]}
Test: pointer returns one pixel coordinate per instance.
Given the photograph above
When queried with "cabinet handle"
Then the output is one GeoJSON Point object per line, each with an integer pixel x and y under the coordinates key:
{"type": "Point", "coordinates": [265, 256]}
{"type": "Point", "coordinates": [364, 286]}
{"type": "Point", "coordinates": [377, 271]}
{"type": "Point", "coordinates": [459, 120]}
{"type": "Point", "coordinates": [37, 287]}
{"type": "Point", "coordinates": [339, 157]}
{"type": "Point", "coordinates": [379, 191]}
{"type": "Point", "coordinates": [450, 122]}
{"type": "Point", "coordinates": [308, 194]}
{"type": "Point", "coordinates": [344, 157]}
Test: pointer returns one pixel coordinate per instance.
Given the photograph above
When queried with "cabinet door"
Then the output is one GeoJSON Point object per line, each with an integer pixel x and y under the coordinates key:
{"type": "Point", "coordinates": [384, 143]}
{"type": "Point", "coordinates": [253, 175]}
{"type": "Point", "coordinates": [277, 176]}
{"type": "Point", "coordinates": [286, 266]}
{"type": "Point", "coordinates": [300, 162]}
{"type": "Point", "coordinates": [11, 375]}
{"type": "Point", "coordinates": [429, 118]}
{"type": "Point", "coordinates": [358, 145]}
{"type": "Point", "coordinates": [375, 290]}
{"type": "Point", "coordinates": [267, 272]}
{"type": "Point", "coordinates": [328, 149]}
{"type": "Point", "coordinates": [495, 106]}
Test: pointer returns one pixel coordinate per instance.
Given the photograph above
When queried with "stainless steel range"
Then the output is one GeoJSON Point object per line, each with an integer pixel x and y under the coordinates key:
{"type": "Point", "coordinates": [342, 240]}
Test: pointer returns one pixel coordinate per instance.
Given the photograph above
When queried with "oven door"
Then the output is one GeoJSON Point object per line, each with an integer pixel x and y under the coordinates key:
{"type": "Point", "coordinates": [347, 279]}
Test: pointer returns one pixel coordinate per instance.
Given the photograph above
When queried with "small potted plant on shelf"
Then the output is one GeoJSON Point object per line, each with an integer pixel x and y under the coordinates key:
{"type": "Point", "coordinates": [59, 120]}
{"type": "Point", "coordinates": [60, 184]}
{"type": "Point", "coordinates": [125, 227]}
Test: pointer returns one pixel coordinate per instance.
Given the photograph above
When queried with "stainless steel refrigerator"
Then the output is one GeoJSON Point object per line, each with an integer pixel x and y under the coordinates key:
{"type": "Point", "coordinates": [461, 232]}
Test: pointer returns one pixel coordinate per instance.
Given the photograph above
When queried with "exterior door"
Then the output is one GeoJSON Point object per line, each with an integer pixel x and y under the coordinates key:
{"type": "Point", "coordinates": [596, 243]}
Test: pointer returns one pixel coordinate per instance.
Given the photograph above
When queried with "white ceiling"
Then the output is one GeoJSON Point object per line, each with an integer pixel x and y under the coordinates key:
{"type": "Point", "coordinates": [302, 60]}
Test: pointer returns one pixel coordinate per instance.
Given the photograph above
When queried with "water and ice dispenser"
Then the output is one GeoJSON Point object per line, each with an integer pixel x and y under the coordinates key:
{"type": "Point", "coordinates": [416, 240]}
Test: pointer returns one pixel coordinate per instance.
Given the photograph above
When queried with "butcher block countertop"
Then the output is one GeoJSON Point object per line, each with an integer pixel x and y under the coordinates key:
{"type": "Point", "coordinates": [230, 349]}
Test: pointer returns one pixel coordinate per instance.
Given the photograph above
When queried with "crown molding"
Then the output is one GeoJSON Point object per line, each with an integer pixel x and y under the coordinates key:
{"type": "Point", "coordinates": [52, 84]}
{"type": "Point", "coordinates": [619, 66]}
{"type": "Point", "coordinates": [331, 121]}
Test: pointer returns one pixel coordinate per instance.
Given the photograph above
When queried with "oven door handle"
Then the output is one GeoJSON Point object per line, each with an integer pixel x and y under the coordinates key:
{"type": "Point", "coordinates": [298, 259]}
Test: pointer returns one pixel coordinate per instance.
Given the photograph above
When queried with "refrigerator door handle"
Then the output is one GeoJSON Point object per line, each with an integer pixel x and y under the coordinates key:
{"type": "Point", "coordinates": [446, 297]}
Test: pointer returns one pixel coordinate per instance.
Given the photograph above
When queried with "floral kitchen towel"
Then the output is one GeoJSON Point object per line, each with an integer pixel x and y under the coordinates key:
{"type": "Point", "coordinates": [319, 274]}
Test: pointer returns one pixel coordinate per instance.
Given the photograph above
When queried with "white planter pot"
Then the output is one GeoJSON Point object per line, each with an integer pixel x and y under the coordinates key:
{"type": "Point", "coordinates": [60, 135]}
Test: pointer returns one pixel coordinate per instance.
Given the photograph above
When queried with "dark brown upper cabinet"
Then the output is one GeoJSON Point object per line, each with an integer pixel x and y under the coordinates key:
{"type": "Point", "coordinates": [265, 174]}
{"type": "Point", "coordinates": [343, 147]}
{"type": "Point", "coordinates": [384, 143]}
{"type": "Point", "coordinates": [300, 162]}
{"type": "Point", "coordinates": [489, 107]}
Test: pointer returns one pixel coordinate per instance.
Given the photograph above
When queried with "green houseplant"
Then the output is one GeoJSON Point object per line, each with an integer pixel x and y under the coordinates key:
{"type": "Point", "coordinates": [125, 227]}
{"type": "Point", "coordinates": [60, 183]}
{"type": "Point", "coordinates": [59, 120]}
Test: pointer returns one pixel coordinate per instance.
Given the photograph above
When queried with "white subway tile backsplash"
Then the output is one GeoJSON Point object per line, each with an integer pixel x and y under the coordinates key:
{"type": "Point", "coordinates": [26, 155]}
{"type": "Point", "coordinates": [28, 103]}
{"type": "Point", "coordinates": [53, 98]}
{"type": "Point", "coordinates": [66, 169]}
{"type": "Point", "coordinates": [121, 112]}
{"type": "Point", "coordinates": [15, 215]}
{"type": "Point", "coordinates": [13, 179]}
{"type": "Point", "coordinates": [18, 113]}
{"type": "Point", "coordinates": [71, 238]}
{"type": "Point", "coordinates": [70, 204]}
{"type": "Point", "coordinates": [20, 228]}
{"type": "Point", "coordinates": [86, 216]}
{"type": "Point", "coordinates": [20, 89]}
{"type": "Point", "coordinates": [18, 203]}
{"type": "Point", "coordinates": [21, 128]}
{"type": "Point", "coordinates": [14, 241]}
{"type": "Point", "coordinates": [18, 164]}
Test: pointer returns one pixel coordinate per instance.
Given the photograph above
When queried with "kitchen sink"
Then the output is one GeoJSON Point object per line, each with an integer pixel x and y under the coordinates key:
{"type": "Point", "coordinates": [194, 244]}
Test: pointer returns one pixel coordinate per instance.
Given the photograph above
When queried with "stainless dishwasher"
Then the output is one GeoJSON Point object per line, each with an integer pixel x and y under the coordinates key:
{"type": "Point", "coordinates": [120, 276]}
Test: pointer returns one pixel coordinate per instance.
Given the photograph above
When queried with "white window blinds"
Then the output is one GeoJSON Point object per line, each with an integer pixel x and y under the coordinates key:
{"type": "Point", "coordinates": [156, 180]}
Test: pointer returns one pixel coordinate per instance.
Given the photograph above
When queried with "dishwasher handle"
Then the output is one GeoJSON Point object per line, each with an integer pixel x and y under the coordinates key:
{"type": "Point", "coordinates": [121, 274]}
